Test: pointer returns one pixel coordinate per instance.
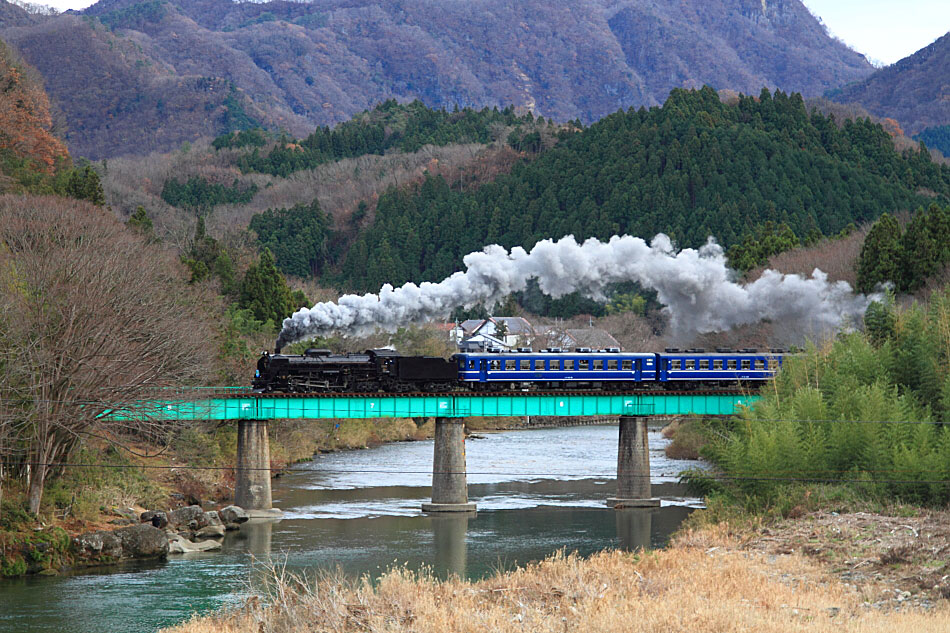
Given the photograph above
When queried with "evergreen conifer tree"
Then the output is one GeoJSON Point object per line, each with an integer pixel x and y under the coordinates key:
{"type": "Point", "coordinates": [139, 221]}
{"type": "Point", "coordinates": [880, 258]}
{"type": "Point", "coordinates": [265, 292]}
{"type": "Point", "coordinates": [84, 184]}
{"type": "Point", "coordinates": [920, 253]}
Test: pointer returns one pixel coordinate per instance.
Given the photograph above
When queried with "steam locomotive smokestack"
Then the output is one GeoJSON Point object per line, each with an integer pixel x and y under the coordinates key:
{"type": "Point", "coordinates": [696, 286]}
{"type": "Point", "coordinates": [277, 347]}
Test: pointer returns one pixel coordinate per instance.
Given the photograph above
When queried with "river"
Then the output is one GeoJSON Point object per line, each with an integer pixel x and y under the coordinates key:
{"type": "Point", "coordinates": [537, 491]}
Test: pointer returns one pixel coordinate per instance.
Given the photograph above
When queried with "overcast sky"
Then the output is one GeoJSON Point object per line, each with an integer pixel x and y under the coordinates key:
{"type": "Point", "coordinates": [884, 30]}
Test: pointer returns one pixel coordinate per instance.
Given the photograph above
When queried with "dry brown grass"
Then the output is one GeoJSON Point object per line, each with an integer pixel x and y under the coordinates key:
{"type": "Point", "coordinates": [836, 257]}
{"type": "Point", "coordinates": [688, 438]}
{"type": "Point", "coordinates": [703, 583]}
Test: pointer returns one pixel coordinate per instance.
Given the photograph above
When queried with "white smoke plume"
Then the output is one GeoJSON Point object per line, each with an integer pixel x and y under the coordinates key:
{"type": "Point", "coordinates": [696, 286]}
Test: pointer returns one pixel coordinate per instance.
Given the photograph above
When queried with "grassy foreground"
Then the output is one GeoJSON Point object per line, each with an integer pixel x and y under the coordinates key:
{"type": "Point", "coordinates": [706, 581]}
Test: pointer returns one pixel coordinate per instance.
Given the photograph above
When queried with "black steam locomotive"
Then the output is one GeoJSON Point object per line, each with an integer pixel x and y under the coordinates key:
{"type": "Point", "coordinates": [321, 371]}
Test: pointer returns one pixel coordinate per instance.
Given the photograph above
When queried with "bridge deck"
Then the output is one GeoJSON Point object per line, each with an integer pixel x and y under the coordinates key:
{"type": "Point", "coordinates": [238, 405]}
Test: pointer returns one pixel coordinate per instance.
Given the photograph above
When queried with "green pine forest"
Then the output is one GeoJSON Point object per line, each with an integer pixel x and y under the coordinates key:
{"type": "Point", "coordinates": [693, 168]}
{"type": "Point", "coordinates": [937, 138]}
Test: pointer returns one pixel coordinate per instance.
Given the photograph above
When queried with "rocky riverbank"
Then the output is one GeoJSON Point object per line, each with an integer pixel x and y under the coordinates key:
{"type": "Point", "coordinates": [144, 536]}
{"type": "Point", "coordinates": [195, 470]}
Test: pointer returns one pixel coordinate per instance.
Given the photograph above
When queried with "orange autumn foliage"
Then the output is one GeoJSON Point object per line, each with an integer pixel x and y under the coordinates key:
{"type": "Point", "coordinates": [892, 127]}
{"type": "Point", "coordinates": [25, 120]}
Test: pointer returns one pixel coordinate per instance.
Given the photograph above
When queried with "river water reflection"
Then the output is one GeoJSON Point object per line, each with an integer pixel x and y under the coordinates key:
{"type": "Point", "coordinates": [537, 492]}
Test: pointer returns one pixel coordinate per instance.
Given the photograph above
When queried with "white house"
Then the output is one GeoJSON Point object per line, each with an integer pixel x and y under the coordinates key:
{"type": "Point", "coordinates": [503, 332]}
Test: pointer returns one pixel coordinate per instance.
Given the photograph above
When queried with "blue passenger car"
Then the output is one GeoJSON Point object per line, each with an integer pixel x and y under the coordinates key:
{"type": "Point", "coordinates": [722, 366]}
{"type": "Point", "coordinates": [555, 369]}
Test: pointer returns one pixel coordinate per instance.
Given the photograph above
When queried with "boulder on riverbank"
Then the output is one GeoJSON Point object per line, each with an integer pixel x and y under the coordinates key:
{"type": "Point", "coordinates": [210, 531]}
{"type": "Point", "coordinates": [180, 545]}
{"type": "Point", "coordinates": [156, 517]}
{"type": "Point", "coordinates": [191, 523]}
{"type": "Point", "coordinates": [142, 541]}
{"type": "Point", "coordinates": [191, 529]}
{"type": "Point", "coordinates": [188, 518]}
{"type": "Point", "coordinates": [102, 547]}
{"type": "Point", "coordinates": [233, 516]}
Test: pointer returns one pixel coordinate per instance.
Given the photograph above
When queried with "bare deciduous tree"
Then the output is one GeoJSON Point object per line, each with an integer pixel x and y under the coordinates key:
{"type": "Point", "coordinates": [91, 319]}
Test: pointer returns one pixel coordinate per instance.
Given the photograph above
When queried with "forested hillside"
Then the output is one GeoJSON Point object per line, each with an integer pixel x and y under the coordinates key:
{"type": "Point", "coordinates": [913, 91]}
{"type": "Point", "coordinates": [388, 126]}
{"type": "Point", "coordinates": [136, 76]}
{"type": "Point", "coordinates": [693, 168]}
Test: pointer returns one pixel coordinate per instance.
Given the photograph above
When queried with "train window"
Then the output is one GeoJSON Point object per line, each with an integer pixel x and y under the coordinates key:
{"type": "Point", "coordinates": [690, 363]}
{"type": "Point", "coordinates": [583, 364]}
{"type": "Point", "coordinates": [746, 364]}
{"type": "Point", "coordinates": [597, 364]}
{"type": "Point", "coordinates": [773, 364]}
{"type": "Point", "coordinates": [612, 364]}
{"type": "Point", "coordinates": [471, 364]}
{"type": "Point", "coordinates": [569, 363]}
{"type": "Point", "coordinates": [717, 364]}
{"type": "Point", "coordinates": [511, 364]}
{"type": "Point", "coordinates": [704, 364]}
{"type": "Point", "coordinates": [732, 364]}
{"type": "Point", "coordinates": [675, 364]}
{"type": "Point", "coordinates": [494, 364]}
{"type": "Point", "coordinates": [525, 365]}
{"type": "Point", "coordinates": [626, 365]}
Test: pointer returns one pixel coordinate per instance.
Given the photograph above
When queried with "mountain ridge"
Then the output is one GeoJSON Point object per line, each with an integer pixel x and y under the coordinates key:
{"type": "Point", "coordinates": [914, 90]}
{"type": "Point", "coordinates": [172, 65]}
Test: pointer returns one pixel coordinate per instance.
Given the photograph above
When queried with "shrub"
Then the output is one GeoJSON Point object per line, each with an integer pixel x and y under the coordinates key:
{"type": "Point", "coordinates": [852, 414]}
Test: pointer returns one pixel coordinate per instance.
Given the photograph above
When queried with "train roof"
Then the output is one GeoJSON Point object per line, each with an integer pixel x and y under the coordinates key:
{"type": "Point", "coordinates": [554, 353]}
{"type": "Point", "coordinates": [725, 352]}
{"type": "Point", "coordinates": [732, 353]}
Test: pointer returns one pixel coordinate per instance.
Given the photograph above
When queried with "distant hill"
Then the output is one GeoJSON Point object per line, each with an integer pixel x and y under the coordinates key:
{"type": "Point", "coordinates": [12, 15]}
{"type": "Point", "coordinates": [135, 77]}
{"type": "Point", "coordinates": [915, 90]}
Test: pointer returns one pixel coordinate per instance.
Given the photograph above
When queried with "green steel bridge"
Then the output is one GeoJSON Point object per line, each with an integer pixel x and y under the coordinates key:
{"type": "Point", "coordinates": [253, 412]}
{"type": "Point", "coordinates": [242, 404]}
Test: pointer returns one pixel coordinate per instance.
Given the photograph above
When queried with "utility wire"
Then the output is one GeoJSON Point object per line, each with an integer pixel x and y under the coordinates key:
{"type": "Point", "coordinates": [697, 474]}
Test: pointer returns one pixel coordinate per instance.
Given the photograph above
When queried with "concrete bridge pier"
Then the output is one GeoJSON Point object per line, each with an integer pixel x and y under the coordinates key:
{"type": "Point", "coordinates": [633, 466]}
{"type": "Point", "coordinates": [252, 476]}
{"type": "Point", "coordinates": [449, 485]}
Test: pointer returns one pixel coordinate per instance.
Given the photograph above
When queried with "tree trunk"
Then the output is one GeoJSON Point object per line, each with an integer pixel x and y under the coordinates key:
{"type": "Point", "coordinates": [36, 484]}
